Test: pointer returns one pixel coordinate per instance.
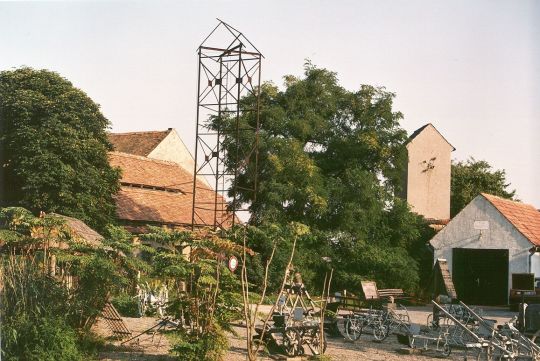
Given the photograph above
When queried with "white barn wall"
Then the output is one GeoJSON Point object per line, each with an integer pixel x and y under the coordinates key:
{"type": "Point", "coordinates": [173, 149]}
{"type": "Point", "coordinates": [535, 264]}
{"type": "Point", "coordinates": [461, 233]}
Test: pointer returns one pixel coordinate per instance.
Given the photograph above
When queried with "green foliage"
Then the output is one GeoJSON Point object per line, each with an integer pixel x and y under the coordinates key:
{"type": "Point", "coordinates": [41, 339]}
{"type": "Point", "coordinates": [46, 316]}
{"type": "Point", "coordinates": [97, 279]}
{"type": "Point", "coordinates": [472, 177]}
{"type": "Point", "coordinates": [204, 293]}
{"type": "Point", "coordinates": [322, 148]}
{"type": "Point", "coordinates": [53, 147]}
{"type": "Point", "coordinates": [211, 346]}
{"type": "Point", "coordinates": [126, 305]}
{"type": "Point", "coordinates": [331, 159]}
{"type": "Point", "coordinates": [35, 315]}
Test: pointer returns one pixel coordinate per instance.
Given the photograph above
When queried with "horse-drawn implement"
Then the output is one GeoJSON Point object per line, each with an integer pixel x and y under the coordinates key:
{"type": "Point", "coordinates": [296, 322]}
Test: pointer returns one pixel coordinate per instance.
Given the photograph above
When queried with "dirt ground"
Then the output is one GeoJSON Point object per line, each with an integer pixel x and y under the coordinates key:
{"type": "Point", "coordinates": [155, 347]}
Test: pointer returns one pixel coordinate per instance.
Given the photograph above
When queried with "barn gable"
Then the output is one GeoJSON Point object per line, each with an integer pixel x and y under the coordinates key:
{"type": "Point", "coordinates": [481, 233]}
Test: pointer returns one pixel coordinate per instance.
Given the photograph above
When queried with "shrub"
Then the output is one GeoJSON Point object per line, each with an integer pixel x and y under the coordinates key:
{"type": "Point", "coordinates": [41, 339]}
{"type": "Point", "coordinates": [126, 305]}
{"type": "Point", "coordinates": [211, 346]}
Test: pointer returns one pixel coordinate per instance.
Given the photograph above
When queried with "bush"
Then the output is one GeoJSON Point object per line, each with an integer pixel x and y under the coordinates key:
{"type": "Point", "coordinates": [45, 317]}
{"type": "Point", "coordinates": [126, 305]}
{"type": "Point", "coordinates": [211, 346]}
{"type": "Point", "coordinates": [43, 339]}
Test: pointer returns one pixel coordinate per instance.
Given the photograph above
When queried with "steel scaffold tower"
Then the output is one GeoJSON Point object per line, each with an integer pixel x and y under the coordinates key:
{"type": "Point", "coordinates": [229, 69]}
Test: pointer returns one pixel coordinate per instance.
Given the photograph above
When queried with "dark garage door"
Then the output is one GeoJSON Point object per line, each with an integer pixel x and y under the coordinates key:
{"type": "Point", "coordinates": [481, 275]}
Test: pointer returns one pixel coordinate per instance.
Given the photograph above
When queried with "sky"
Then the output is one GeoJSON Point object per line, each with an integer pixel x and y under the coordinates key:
{"type": "Point", "coordinates": [471, 68]}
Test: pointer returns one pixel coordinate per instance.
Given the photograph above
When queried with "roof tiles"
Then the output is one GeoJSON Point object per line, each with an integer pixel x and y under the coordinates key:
{"type": "Point", "coordinates": [137, 170]}
{"type": "Point", "coordinates": [138, 143]}
{"type": "Point", "coordinates": [524, 217]}
{"type": "Point", "coordinates": [156, 191]}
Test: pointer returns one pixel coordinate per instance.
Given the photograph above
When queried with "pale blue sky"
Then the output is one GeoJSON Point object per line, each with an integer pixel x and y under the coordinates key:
{"type": "Point", "coordinates": [472, 68]}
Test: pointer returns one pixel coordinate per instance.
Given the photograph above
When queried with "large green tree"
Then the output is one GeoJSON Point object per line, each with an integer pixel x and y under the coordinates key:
{"type": "Point", "coordinates": [472, 177]}
{"type": "Point", "coordinates": [53, 145]}
{"type": "Point", "coordinates": [333, 159]}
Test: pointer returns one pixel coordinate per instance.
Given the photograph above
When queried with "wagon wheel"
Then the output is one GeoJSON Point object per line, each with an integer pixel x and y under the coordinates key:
{"type": "Point", "coordinates": [353, 329]}
{"type": "Point", "coordinates": [292, 343]}
{"type": "Point", "coordinates": [315, 345]}
{"type": "Point", "coordinates": [380, 332]}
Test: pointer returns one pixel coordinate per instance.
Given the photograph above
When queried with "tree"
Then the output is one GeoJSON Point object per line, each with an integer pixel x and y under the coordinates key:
{"type": "Point", "coordinates": [331, 159]}
{"type": "Point", "coordinates": [472, 177]}
{"type": "Point", "coordinates": [54, 147]}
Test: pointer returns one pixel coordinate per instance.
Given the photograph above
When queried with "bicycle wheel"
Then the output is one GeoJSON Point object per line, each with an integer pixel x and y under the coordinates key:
{"type": "Point", "coordinates": [353, 328]}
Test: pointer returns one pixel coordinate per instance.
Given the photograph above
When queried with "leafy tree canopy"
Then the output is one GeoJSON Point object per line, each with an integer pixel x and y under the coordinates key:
{"type": "Point", "coordinates": [332, 159]}
{"type": "Point", "coordinates": [472, 177]}
{"type": "Point", "coordinates": [53, 147]}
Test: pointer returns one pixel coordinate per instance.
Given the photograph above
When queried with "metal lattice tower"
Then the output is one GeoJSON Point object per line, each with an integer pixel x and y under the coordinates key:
{"type": "Point", "coordinates": [229, 70]}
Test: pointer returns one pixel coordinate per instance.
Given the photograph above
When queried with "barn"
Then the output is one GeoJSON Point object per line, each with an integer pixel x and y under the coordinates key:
{"type": "Point", "coordinates": [485, 243]}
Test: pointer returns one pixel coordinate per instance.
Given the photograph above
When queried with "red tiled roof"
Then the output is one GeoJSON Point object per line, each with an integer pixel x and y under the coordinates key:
{"type": "Point", "coordinates": [138, 143]}
{"type": "Point", "coordinates": [524, 217]}
{"type": "Point", "coordinates": [146, 205]}
{"type": "Point", "coordinates": [172, 199]}
{"type": "Point", "coordinates": [137, 170]}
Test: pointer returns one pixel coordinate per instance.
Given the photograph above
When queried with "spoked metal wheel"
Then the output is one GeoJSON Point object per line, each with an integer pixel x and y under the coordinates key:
{"type": "Point", "coordinates": [353, 329]}
{"type": "Point", "coordinates": [380, 332]}
{"type": "Point", "coordinates": [292, 343]}
{"type": "Point", "coordinates": [316, 344]}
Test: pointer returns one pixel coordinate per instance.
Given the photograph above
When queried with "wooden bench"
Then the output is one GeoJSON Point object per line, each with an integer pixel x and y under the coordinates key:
{"type": "Point", "coordinates": [371, 293]}
{"type": "Point", "coordinates": [391, 292]}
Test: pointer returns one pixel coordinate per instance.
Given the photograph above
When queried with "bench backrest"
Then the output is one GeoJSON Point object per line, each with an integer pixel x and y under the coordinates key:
{"type": "Point", "coordinates": [370, 290]}
{"type": "Point", "coordinates": [391, 292]}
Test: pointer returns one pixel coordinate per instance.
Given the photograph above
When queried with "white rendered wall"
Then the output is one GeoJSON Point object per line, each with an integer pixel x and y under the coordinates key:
{"type": "Point", "coordinates": [173, 149]}
{"type": "Point", "coordinates": [535, 264]}
{"type": "Point", "coordinates": [428, 174]}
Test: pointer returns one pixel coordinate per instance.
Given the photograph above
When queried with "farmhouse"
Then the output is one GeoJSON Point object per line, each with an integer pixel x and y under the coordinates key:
{"type": "Point", "coordinates": [157, 182]}
{"type": "Point", "coordinates": [485, 243]}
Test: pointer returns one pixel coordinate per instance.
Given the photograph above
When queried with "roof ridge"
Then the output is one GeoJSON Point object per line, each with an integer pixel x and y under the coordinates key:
{"type": "Point", "coordinates": [516, 202]}
{"type": "Point", "coordinates": [421, 129]}
{"type": "Point", "coordinates": [142, 132]}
